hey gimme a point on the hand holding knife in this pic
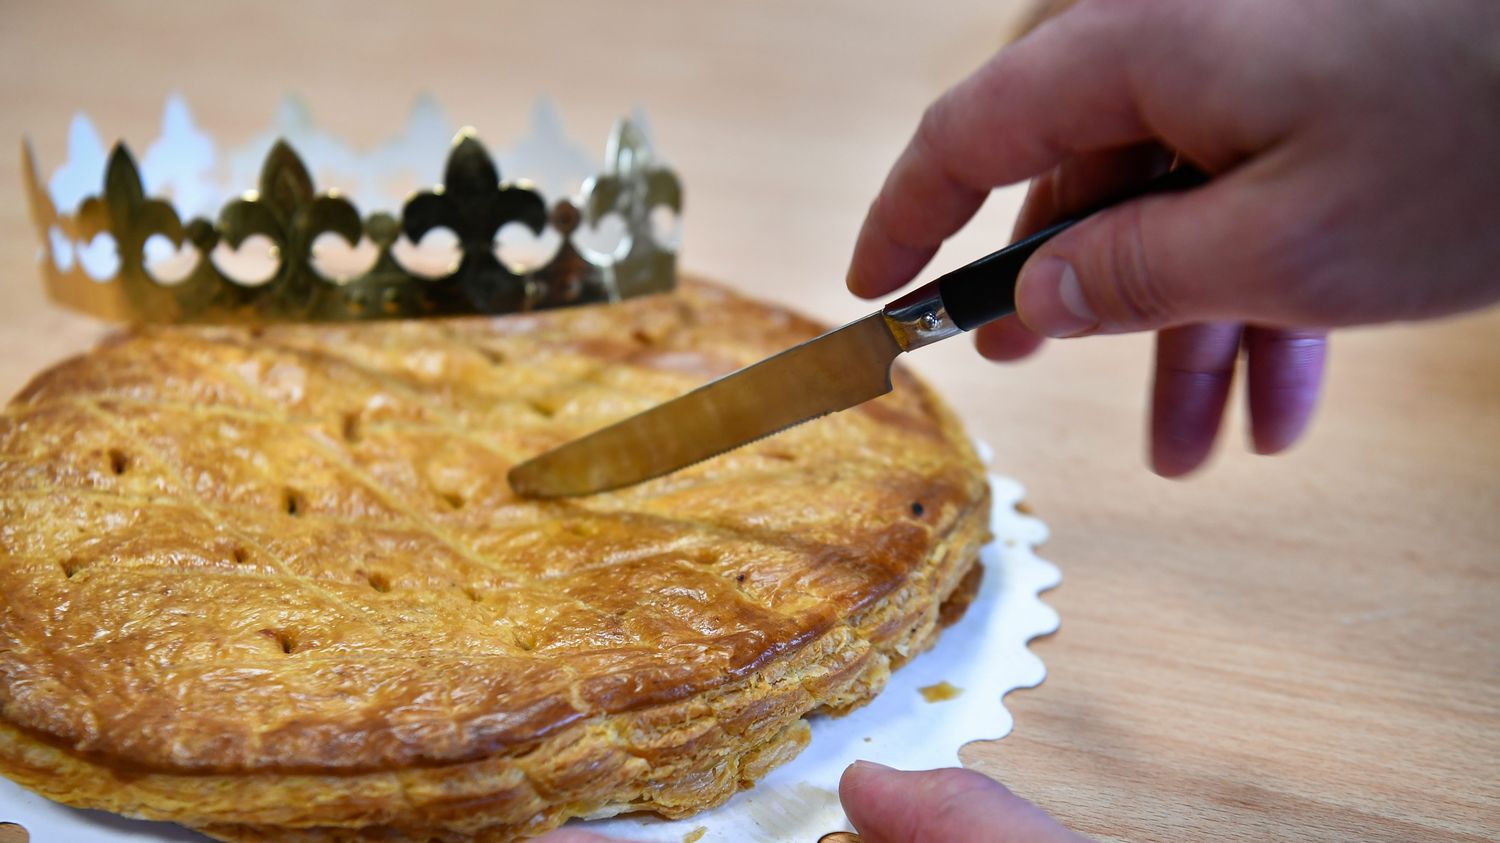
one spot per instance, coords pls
(840, 369)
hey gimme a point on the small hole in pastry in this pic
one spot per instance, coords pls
(472, 594)
(239, 555)
(641, 337)
(525, 641)
(780, 455)
(71, 566)
(740, 577)
(453, 499)
(495, 357)
(351, 427)
(118, 462)
(917, 509)
(542, 409)
(292, 502)
(285, 639)
(380, 582)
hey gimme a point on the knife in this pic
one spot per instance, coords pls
(840, 369)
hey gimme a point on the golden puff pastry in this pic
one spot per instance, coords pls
(271, 583)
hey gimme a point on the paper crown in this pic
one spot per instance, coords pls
(472, 203)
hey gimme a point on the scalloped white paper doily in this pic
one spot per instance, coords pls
(985, 654)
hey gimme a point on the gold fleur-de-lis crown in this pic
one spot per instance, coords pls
(473, 203)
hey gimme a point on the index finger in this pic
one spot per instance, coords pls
(1060, 91)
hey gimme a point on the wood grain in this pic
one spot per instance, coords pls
(1298, 648)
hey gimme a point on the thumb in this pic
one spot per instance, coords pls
(1151, 263)
(941, 806)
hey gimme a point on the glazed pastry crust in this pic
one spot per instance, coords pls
(272, 584)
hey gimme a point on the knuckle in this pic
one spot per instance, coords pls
(934, 146)
(1138, 294)
(1297, 270)
(948, 147)
(932, 129)
(947, 794)
(901, 224)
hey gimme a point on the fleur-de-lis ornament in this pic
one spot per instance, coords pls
(474, 206)
(633, 187)
(287, 210)
(124, 212)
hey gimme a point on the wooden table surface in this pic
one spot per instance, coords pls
(1298, 648)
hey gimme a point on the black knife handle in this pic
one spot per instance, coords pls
(985, 290)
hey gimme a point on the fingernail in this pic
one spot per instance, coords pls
(1052, 302)
(870, 765)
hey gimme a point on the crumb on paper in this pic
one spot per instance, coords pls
(1024, 508)
(941, 692)
(867, 738)
(695, 835)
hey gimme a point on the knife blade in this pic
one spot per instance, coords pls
(840, 369)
